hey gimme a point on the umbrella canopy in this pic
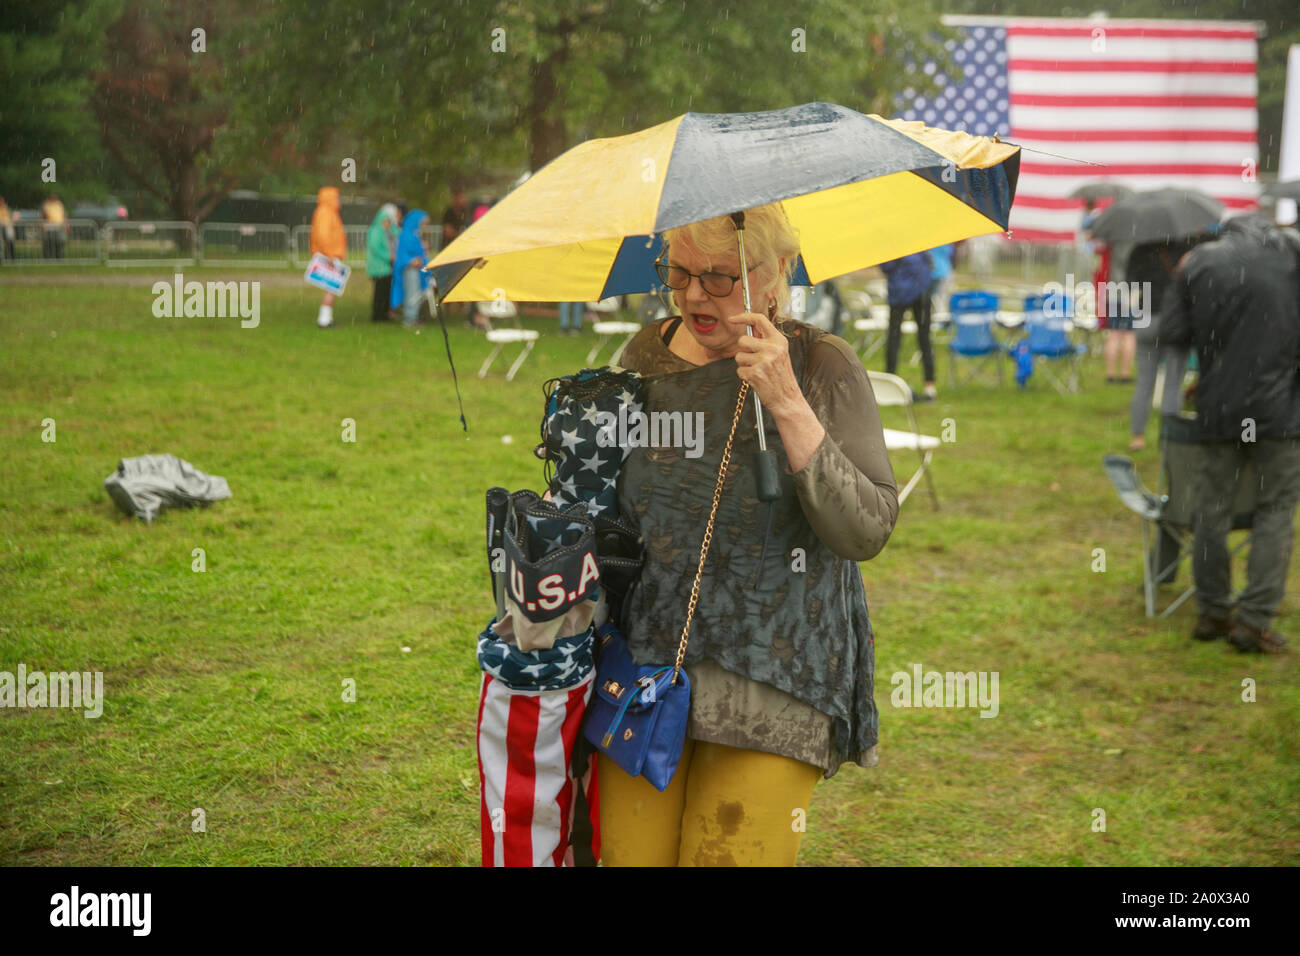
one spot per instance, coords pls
(1286, 190)
(858, 189)
(1101, 189)
(1160, 215)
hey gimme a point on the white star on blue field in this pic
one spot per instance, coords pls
(976, 100)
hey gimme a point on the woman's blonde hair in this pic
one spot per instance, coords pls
(769, 237)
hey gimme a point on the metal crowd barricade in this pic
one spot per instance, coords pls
(244, 244)
(75, 244)
(138, 243)
(300, 244)
(356, 236)
(178, 243)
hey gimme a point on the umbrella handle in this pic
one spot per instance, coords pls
(766, 475)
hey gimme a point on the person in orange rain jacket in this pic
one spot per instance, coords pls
(327, 238)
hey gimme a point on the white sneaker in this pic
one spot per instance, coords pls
(931, 392)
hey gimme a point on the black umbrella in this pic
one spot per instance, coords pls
(1101, 189)
(1160, 215)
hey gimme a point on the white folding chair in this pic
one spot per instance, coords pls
(890, 390)
(606, 331)
(500, 338)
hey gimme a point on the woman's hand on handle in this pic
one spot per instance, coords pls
(763, 360)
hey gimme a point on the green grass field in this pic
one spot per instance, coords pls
(363, 560)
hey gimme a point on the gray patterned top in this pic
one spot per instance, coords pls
(781, 657)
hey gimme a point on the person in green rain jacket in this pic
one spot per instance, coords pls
(381, 246)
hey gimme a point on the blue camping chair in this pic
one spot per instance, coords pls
(973, 315)
(1047, 322)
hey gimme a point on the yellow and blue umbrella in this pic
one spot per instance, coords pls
(859, 190)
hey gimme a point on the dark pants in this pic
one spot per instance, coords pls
(1277, 478)
(921, 315)
(51, 244)
(379, 304)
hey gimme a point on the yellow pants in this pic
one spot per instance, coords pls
(724, 807)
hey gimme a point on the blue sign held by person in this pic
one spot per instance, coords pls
(328, 274)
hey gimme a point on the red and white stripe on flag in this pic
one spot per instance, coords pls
(1160, 102)
(525, 752)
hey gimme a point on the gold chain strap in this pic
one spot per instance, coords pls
(708, 532)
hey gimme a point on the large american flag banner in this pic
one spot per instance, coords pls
(1160, 102)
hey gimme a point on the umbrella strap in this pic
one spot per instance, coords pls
(447, 342)
(708, 532)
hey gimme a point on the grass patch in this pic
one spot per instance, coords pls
(224, 688)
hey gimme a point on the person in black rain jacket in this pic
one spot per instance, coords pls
(1237, 301)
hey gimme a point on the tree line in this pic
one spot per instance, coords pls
(178, 102)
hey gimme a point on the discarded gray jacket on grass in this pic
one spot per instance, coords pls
(143, 486)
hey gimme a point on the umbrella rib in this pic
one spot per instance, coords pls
(1043, 152)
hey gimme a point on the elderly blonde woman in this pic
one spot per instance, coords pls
(781, 652)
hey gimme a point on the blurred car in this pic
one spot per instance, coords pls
(109, 211)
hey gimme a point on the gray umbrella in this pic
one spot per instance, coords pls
(1160, 215)
(1287, 190)
(1101, 189)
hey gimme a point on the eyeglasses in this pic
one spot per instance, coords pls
(716, 284)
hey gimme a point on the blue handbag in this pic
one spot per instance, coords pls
(638, 715)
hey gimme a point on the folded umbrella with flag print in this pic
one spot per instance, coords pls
(560, 568)
(538, 665)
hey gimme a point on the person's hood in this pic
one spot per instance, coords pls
(414, 219)
(328, 197)
(408, 244)
(1249, 235)
(1248, 225)
(386, 212)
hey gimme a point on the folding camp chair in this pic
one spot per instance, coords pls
(1087, 325)
(892, 390)
(500, 338)
(1168, 518)
(1048, 325)
(973, 317)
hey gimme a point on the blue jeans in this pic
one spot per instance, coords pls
(1148, 359)
(571, 311)
(411, 294)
